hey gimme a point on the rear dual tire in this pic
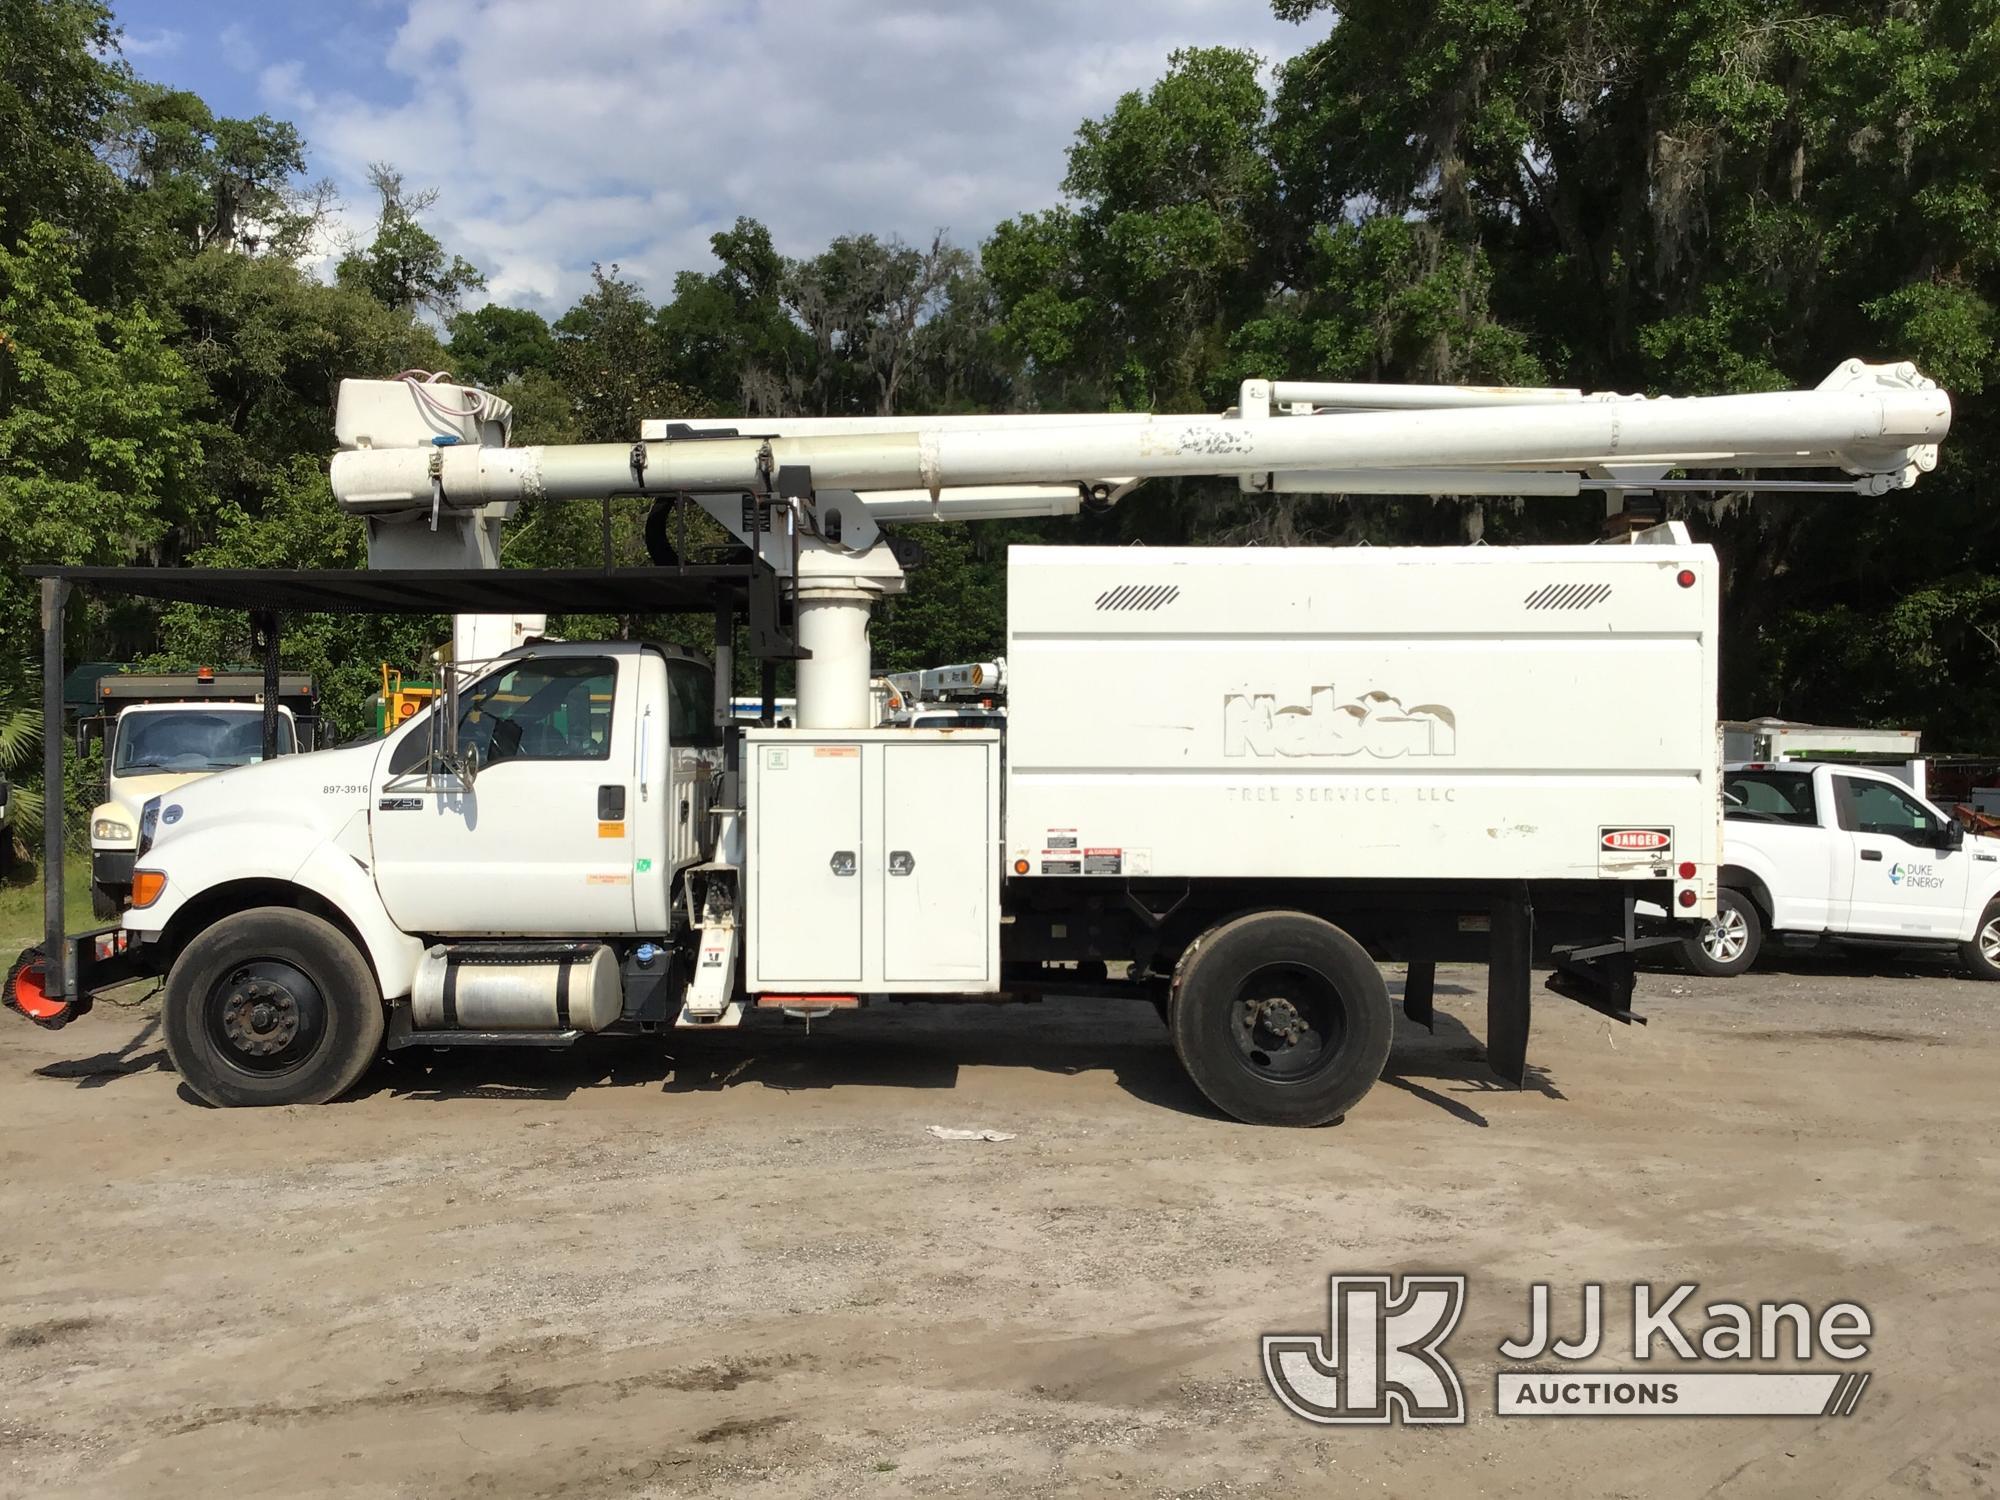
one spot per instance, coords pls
(1280, 1019)
(271, 1006)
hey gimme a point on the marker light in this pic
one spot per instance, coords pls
(1688, 898)
(1020, 867)
(1685, 578)
(1687, 869)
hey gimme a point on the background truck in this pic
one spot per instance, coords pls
(164, 729)
(1846, 856)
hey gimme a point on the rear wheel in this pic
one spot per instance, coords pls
(1981, 956)
(271, 1006)
(1728, 943)
(1281, 1019)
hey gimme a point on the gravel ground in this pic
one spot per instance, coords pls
(510, 1274)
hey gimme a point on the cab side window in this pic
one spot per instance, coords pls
(549, 708)
(1876, 807)
(690, 704)
(1770, 797)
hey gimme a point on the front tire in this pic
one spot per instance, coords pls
(1281, 1019)
(1729, 944)
(271, 1006)
(1981, 956)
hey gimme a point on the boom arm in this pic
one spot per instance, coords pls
(420, 453)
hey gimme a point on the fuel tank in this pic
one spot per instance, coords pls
(526, 986)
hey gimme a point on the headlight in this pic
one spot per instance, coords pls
(149, 824)
(110, 831)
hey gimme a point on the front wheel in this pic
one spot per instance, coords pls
(271, 1006)
(1981, 956)
(1728, 943)
(1281, 1019)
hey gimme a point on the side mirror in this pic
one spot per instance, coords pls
(468, 766)
(1952, 835)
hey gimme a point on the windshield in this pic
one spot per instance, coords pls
(197, 739)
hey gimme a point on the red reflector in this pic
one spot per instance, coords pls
(204, 674)
(1688, 898)
(1687, 869)
(837, 1002)
(1685, 578)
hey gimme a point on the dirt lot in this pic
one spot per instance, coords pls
(509, 1274)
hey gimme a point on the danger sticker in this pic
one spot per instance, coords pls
(835, 752)
(1103, 861)
(1636, 840)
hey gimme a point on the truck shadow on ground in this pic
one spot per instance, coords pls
(95, 1071)
(918, 1047)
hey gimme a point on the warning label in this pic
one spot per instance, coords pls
(1062, 838)
(1103, 861)
(1061, 862)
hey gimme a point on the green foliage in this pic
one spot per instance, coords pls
(1667, 195)
(405, 267)
(98, 449)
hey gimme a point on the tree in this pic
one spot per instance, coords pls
(405, 267)
(496, 344)
(727, 336)
(98, 452)
(57, 83)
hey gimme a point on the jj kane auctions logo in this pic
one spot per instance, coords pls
(1382, 1358)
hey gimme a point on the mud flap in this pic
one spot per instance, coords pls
(1419, 985)
(1508, 971)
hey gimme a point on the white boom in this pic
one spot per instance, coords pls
(426, 462)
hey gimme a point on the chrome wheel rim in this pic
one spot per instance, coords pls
(1989, 942)
(1726, 937)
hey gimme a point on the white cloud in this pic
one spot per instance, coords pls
(161, 43)
(631, 130)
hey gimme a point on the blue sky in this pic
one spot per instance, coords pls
(559, 134)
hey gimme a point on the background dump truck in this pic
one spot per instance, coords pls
(162, 730)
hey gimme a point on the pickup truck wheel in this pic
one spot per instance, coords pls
(1729, 944)
(1281, 1019)
(271, 1006)
(1981, 956)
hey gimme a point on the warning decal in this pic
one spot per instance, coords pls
(1103, 861)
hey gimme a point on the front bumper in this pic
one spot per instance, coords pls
(113, 867)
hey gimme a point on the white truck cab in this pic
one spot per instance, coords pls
(1817, 853)
(156, 748)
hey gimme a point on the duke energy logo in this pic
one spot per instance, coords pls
(1916, 877)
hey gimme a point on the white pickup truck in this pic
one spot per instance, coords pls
(1841, 855)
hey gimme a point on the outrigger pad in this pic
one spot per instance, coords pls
(26, 994)
(1508, 963)
(1419, 986)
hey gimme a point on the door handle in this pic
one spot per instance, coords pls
(843, 862)
(611, 804)
(1874, 854)
(901, 862)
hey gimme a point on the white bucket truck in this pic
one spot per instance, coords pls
(1234, 781)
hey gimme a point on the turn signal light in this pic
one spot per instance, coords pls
(146, 887)
(1688, 898)
(1687, 869)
